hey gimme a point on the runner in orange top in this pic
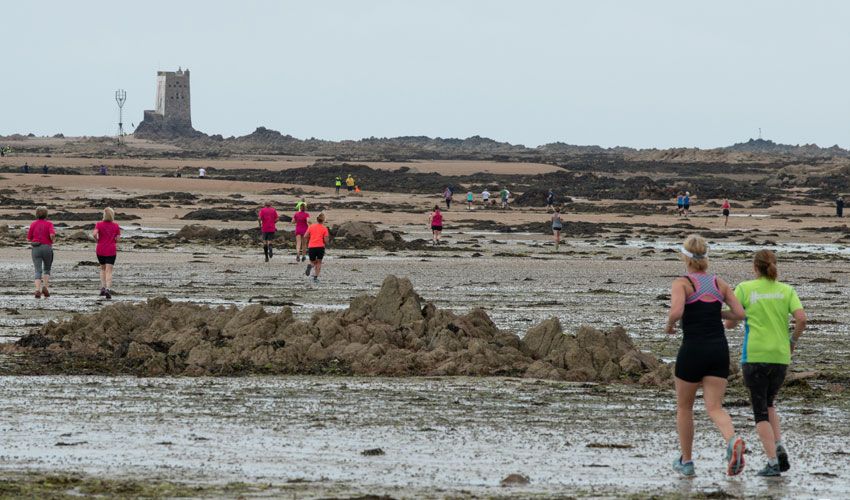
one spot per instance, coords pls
(317, 237)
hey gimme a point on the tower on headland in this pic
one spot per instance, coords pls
(173, 113)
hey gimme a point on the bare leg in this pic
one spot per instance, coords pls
(38, 285)
(317, 267)
(685, 394)
(107, 279)
(298, 239)
(713, 391)
(768, 439)
(103, 275)
(45, 281)
(774, 422)
(438, 234)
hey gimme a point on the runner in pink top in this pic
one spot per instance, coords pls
(106, 233)
(40, 235)
(726, 206)
(436, 223)
(300, 219)
(267, 218)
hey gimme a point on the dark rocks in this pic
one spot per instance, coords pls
(395, 333)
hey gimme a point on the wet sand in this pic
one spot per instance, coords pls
(441, 437)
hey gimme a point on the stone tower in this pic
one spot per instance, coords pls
(173, 113)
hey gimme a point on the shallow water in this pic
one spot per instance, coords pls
(453, 434)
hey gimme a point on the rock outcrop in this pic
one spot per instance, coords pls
(394, 333)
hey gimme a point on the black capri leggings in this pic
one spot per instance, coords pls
(763, 380)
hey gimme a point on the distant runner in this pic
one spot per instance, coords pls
(301, 218)
(686, 203)
(839, 207)
(697, 300)
(680, 204)
(435, 220)
(202, 173)
(557, 225)
(469, 199)
(504, 194)
(317, 236)
(41, 235)
(485, 197)
(349, 183)
(447, 194)
(106, 234)
(103, 171)
(767, 350)
(726, 206)
(267, 218)
(550, 200)
(337, 184)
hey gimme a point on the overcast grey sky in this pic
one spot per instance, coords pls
(631, 73)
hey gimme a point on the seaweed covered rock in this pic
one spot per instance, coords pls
(395, 333)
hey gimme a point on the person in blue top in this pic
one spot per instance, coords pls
(680, 202)
(686, 203)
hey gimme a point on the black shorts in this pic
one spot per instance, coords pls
(679, 207)
(702, 359)
(106, 259)
(726, 212)
(436, 228)
(687, 207)
(268, 236)
(350, 188)
(317, 253)
(763, 380)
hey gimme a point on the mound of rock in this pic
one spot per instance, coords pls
(392, 334)
(227, 214)
(199, 233)
(362, 235)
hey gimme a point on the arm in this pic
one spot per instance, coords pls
(95, 234)
(326, 238)
(799, 326)
(29, 233)
(677, 306)
(736, 312)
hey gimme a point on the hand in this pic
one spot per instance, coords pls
(670, 329)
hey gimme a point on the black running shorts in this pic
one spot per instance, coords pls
(317, 253)
(702, 359)
(268, 236)
(436, 228)
(106, 259)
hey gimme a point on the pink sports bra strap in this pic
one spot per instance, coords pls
(705, 288)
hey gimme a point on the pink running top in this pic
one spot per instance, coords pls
(726, 204)
(437, 218)
(705, 288)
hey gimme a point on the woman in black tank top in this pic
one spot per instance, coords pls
(697, 300)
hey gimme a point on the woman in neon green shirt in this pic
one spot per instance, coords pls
(766, 351)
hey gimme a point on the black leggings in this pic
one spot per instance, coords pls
(763, 380)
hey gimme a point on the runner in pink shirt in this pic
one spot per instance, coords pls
(106, 233)
(435, 220)
(40, 235)
(300, 219)
(267, 218)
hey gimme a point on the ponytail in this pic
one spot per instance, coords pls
(765, 263)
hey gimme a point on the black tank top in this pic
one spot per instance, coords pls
(701, 320)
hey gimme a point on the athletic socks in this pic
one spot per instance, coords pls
(773, 462)
(779, 443)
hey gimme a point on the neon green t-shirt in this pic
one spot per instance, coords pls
(766, 336)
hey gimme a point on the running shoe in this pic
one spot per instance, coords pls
(315, 280)
(102, 291)
(685, 469)
(735, 456)
(267, 258)
(309, 268)
(107, 294)
(303, 258)
(38, 294)
(45, 292)
(770, 471)
(782, 456)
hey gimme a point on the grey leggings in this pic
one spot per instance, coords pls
(42, 256)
